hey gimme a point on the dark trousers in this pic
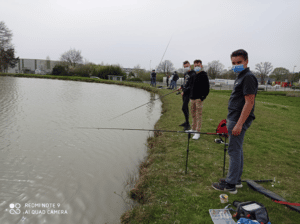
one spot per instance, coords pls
(185, 107)
(235, 152)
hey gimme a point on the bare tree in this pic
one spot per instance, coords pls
(215, 68)
(72, 57)
(228, 74)
(138, 71)
(263, 69)
(7, 51)
(5, 37)
(165, 66)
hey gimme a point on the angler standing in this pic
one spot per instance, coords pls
(175, 78)
(168, 79)
(186, 93)
(199, 89)
(171, 84)
(153, 78)
(240, 116)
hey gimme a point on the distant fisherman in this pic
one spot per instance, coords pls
(240, 116)
(153, 78)
(174, 80)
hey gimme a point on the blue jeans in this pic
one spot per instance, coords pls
(153, 81)
(235, 152)
(173, 85)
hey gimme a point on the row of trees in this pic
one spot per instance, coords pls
(72, 63)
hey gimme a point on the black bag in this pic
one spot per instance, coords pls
(252, 210)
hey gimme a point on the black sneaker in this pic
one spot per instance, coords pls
(187, 127)
(238, 184)
(224, 186)
(183, 124)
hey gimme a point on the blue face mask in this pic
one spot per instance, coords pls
(197, 69)
(237, 68)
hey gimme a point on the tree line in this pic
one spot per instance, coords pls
(72, 64)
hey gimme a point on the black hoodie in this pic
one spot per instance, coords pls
(199, 86)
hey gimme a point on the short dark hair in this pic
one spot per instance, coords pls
(240, 52)
(198, 61)
(185, 62)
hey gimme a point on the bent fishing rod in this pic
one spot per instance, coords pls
(166, 49)
(143, 105)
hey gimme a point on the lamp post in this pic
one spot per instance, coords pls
(150, 65)
(293, 75)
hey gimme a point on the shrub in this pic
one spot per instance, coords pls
(103, 71)
(59, 70)
(131, 74)
(82, 70)
(145, 76)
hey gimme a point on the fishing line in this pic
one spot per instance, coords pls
(143, 105)
(155, 99)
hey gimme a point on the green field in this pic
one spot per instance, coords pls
(271, 150)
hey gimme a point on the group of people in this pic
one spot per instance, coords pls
(240, 111)
(194, 89)
(173, 78)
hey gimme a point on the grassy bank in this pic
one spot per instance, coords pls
(271, 149)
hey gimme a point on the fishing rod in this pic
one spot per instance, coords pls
(154, 130)
(224, 134)
(143, 105)
(166, 49)
(155, 99)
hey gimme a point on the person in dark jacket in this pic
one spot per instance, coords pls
(188, 72)
(153, 78)
(199, 89)
(168, 78)
(175, 78)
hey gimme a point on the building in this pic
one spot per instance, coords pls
(33, 66)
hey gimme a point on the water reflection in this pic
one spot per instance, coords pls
(44, 159)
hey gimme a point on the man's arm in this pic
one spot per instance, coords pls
(249, 103)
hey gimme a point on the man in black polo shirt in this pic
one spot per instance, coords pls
(240, 116)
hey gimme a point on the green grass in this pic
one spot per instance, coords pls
(271, 149)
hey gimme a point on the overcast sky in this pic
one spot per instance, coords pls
(132, 32)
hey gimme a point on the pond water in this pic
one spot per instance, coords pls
(51, 171)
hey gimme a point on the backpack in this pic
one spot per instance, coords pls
(252, 210)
